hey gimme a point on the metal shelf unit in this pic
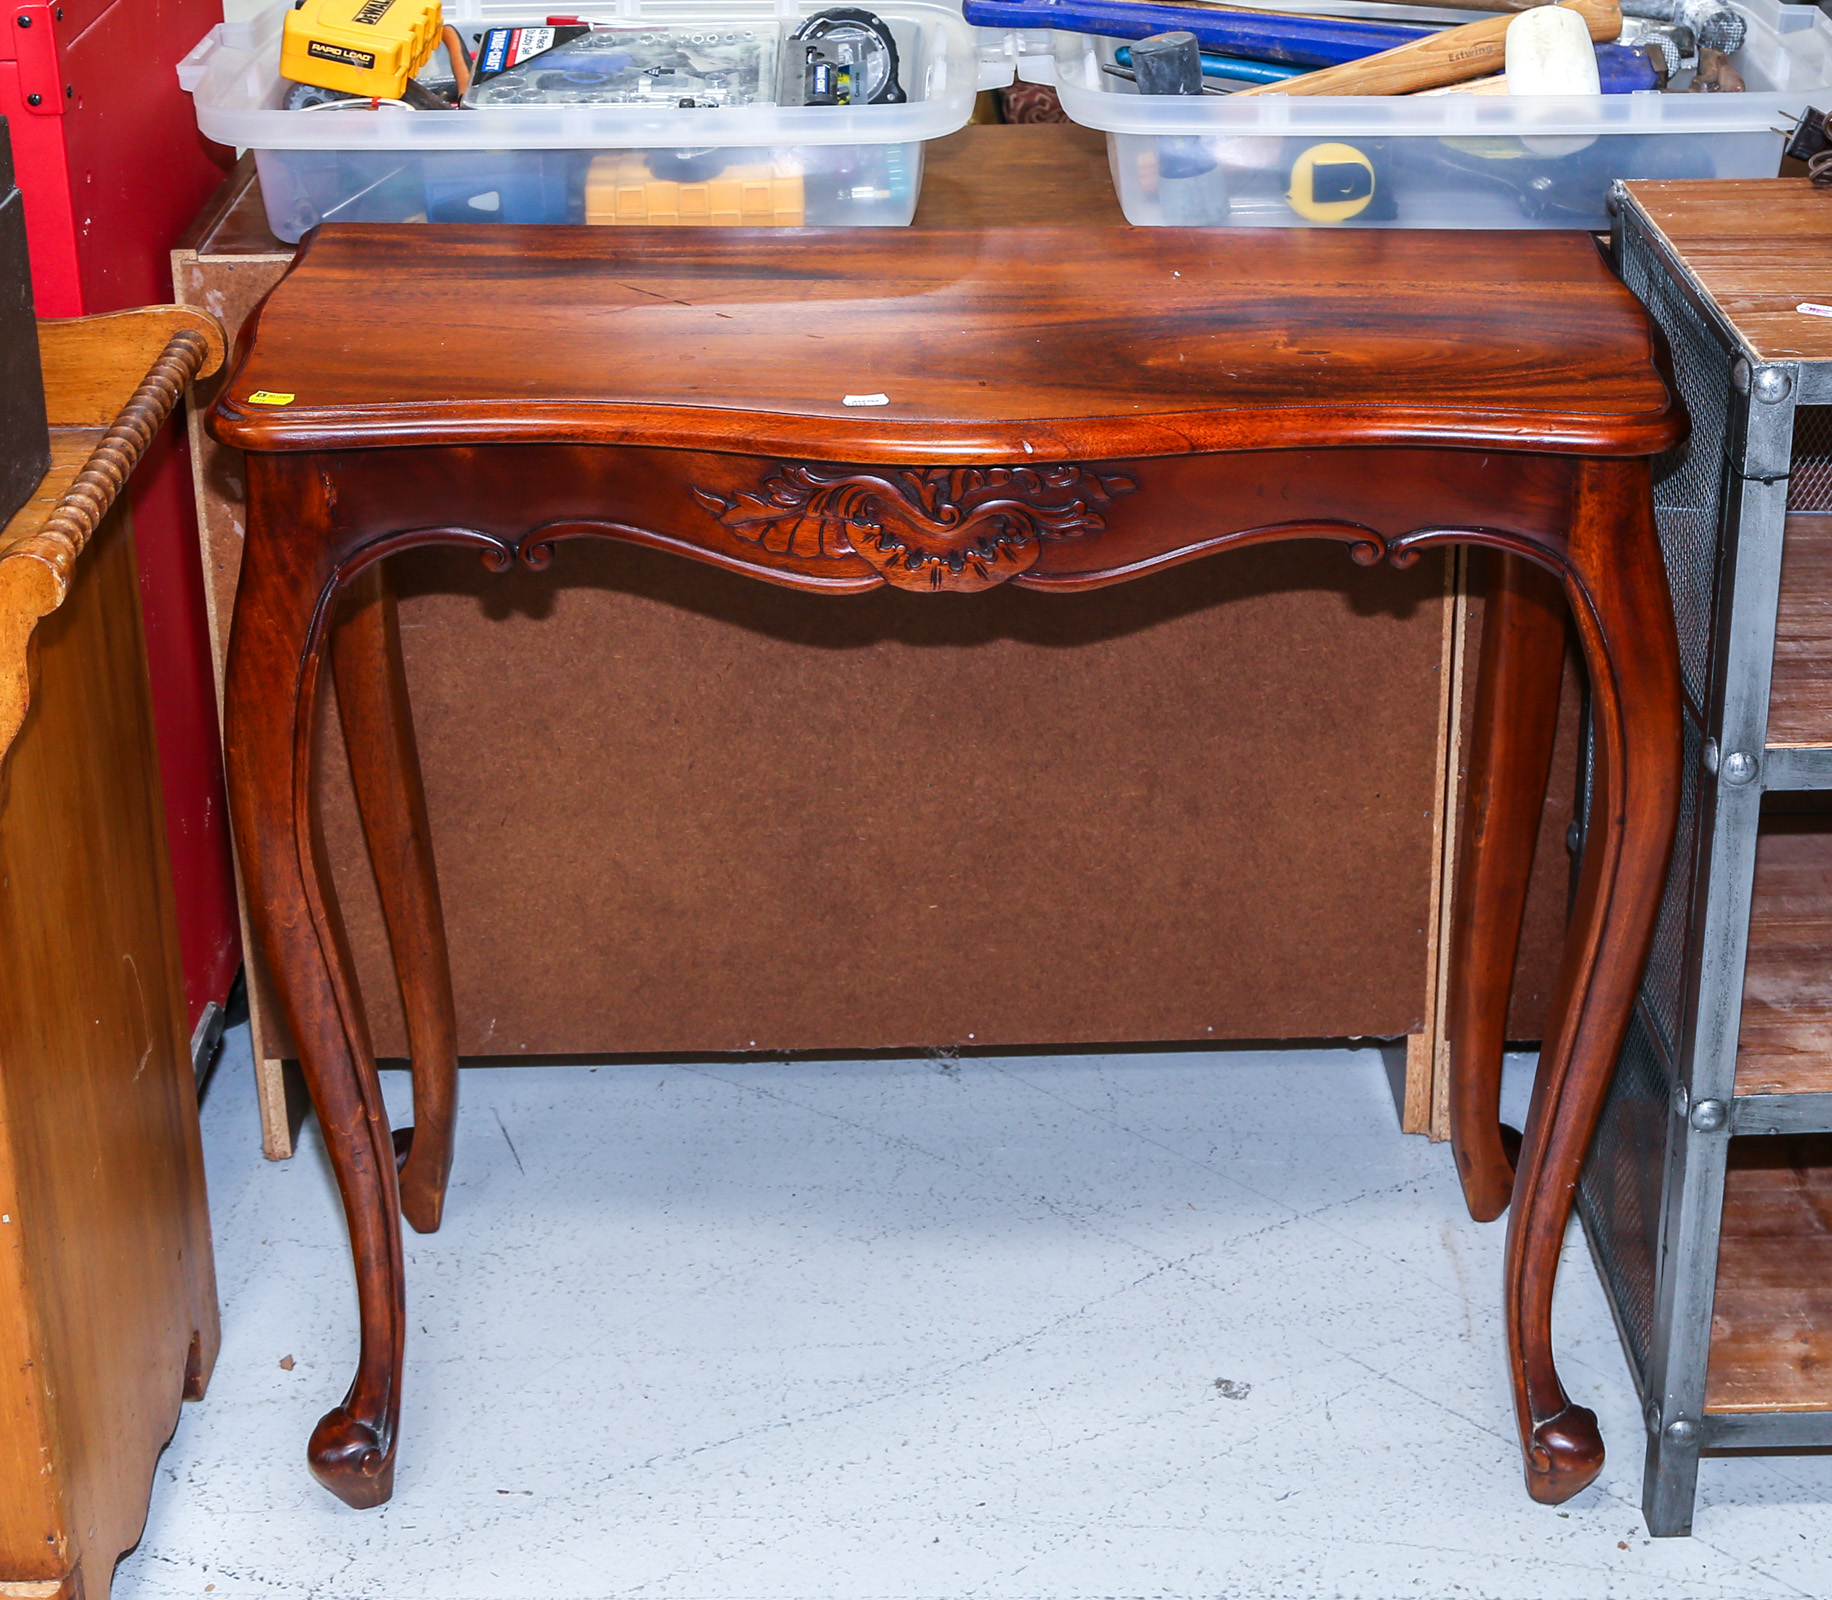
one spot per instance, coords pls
(1652, 1198)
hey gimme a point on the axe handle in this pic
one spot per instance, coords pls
(1472, 51)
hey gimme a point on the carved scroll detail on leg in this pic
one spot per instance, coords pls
(1517, 689)
(378, 733)
(955, 528)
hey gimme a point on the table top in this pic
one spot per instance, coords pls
(955, 346)
(1760, 247)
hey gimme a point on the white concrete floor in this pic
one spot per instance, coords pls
(1022, 1329)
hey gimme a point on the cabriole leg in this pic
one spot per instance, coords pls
(275, 655)
(1510, 762)
(378, 734)
(1617, 590)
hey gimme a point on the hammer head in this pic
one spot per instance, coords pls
(1717, 26)
(1673, 42)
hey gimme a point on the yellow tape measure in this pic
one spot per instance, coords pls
(1332, 183)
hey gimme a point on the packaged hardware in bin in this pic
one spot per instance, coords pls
(625, 186)
(811, 114)
(688, 68)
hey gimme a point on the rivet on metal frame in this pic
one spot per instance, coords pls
(1739, 767)
(1773, 385)
(1709, 1115)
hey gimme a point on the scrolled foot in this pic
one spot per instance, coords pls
(347, 1457)
(1565, 1456)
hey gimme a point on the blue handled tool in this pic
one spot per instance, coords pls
(1624, 69)
(1257, 35)
(1242, 71)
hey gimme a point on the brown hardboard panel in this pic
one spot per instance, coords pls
(229, 289)
(676, 810)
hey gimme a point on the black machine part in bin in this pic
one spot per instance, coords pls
(1192, 190)
(25, 442)
(841, 57)
(1812, 143)
(1549, 189)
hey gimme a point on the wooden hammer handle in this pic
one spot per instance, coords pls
(1472, 51)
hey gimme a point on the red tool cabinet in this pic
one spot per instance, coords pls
(111, 169)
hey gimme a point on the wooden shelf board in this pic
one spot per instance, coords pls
(1800, 698)
(1786, 1042)
(1758, 247)
(1771, 1325)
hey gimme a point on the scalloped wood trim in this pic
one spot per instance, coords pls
(123, 372)
(92, 365)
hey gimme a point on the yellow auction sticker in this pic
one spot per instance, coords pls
(267, 397)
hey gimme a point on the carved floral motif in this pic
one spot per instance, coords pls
(955, 528)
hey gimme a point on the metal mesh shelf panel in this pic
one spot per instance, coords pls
(1690, 480)
(1619, 1194)
(1663, 983)
(1810, 484)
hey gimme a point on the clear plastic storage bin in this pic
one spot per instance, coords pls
(1441, 161)
(760, 164)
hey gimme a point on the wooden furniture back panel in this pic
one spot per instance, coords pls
(1114, 816)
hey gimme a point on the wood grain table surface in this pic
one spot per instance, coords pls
(955, 345)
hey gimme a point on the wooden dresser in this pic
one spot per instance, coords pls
(107, 1291)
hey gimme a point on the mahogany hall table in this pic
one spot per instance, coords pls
(943, 412)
